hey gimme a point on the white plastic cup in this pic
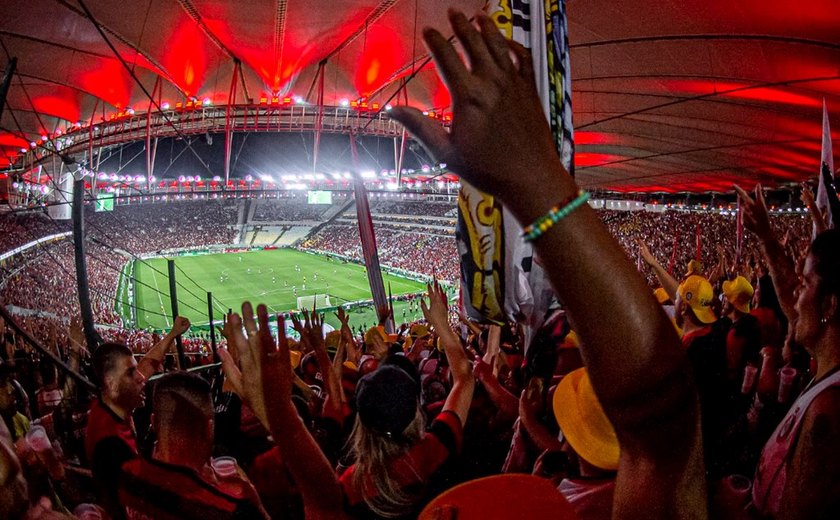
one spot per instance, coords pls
(224, 467)
(37, 439)
(786, 378)
(39, 442)
(750, 376)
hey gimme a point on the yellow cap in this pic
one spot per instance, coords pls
(418, 330)
(583, 422)
(739, 292)
(697, 292)
(332, 339)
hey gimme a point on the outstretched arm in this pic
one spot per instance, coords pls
(807, 197)
(437, 314)
(154, 357)
(640, 374)
(668, 282)
(780, 265)
(267, 385)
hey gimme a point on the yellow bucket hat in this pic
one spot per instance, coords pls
(583, 422)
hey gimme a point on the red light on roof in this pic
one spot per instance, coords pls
(354, 104)
(275, 100)
(287, 100)
(179, 105)
(374, 106)
(263, 100)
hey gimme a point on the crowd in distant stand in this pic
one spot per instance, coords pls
(288, 211)
(422, 253)
(44, 277)
(410, 207)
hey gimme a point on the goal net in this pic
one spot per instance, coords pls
(322, 301)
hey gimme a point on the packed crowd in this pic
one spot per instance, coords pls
(288, 211)
(715, 396)
(408, 207)
(149, 228)
(423, 253)
(22, 228)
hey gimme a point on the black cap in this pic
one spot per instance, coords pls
(386, 400)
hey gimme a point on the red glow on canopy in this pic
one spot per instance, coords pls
(186, 57)
(8, 140)
(61, 107)
(584, 138)
(594, 159)
(109, 81)
(747, 91)
(382, 56)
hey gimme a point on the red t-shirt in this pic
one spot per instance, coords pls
(420, 462)
(151, 489)
(109, 443)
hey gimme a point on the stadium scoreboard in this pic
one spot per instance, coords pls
(319, 197)
(105, 202)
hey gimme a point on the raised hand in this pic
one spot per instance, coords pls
(77, 336)
(755, 215)
(494, 92)
(806, 195)
(647, 256)
(342, 317)
(437, 312)
(313, 328)
(180, 326)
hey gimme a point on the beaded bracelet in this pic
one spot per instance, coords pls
(554, 215)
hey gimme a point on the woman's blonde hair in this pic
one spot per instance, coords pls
(374, 453)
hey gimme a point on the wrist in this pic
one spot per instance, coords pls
(535, 201)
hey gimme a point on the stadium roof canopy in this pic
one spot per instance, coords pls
(669, 95)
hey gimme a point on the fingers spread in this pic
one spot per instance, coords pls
(496, 43)
(248, 319)
(524, 61)
(429, 132)
(452, 70)
(266, 341)
(743, 194)
(471, 40)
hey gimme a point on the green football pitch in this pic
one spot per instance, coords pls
(270, 277)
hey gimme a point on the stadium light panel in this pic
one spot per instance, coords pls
(368, 174)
